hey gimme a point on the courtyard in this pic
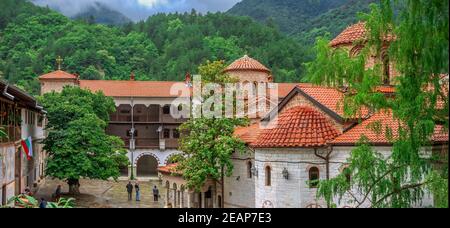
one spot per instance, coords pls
(106, 194)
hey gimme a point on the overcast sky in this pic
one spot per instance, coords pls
(140, 9)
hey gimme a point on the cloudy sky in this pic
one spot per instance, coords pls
(140, 9)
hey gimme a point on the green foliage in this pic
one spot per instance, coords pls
(303, 19)
(421, 36)
(25, 201)
(164, 47)
(376, 177)
(77, 144)
(101, 14)
(208, 143)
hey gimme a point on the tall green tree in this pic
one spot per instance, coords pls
(208, 143)
(417, 34)
(77, 144)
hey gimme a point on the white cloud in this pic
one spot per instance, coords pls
(139, 9)
(152, 3)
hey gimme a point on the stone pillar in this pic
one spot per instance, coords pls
(203, 200)
(135, 172)
(189, 200)
(129, 172)
(174, 192)
(182, 199)
(167, 196)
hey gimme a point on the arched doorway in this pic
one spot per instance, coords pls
(147, 166)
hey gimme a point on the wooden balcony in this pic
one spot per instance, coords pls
(14, 134)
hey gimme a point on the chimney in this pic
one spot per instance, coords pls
(188, 80)
(132, 77)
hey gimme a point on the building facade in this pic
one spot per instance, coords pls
(21, 118)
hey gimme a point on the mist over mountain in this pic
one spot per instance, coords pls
(137, 10)
(102, 14)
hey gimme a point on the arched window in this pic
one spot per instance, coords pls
(249, 169)
(386, 68)
(314, 176)
(355, 50)
(268, 176)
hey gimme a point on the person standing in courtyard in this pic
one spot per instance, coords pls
(155, 194)
(138, 192)
(43, 203)
(130, 191)
(58, 193)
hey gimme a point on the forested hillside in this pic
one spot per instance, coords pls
(102, 14)
(304, 19)
(164, 47)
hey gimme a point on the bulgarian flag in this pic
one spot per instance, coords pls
(27, 146)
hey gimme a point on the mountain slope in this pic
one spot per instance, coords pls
(102, 14)
(303, 19)
(164, 47)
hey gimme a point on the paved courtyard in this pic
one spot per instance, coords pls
(106, 194)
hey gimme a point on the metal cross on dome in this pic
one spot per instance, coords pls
(59, 60)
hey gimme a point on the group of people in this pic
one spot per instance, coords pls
(137, 189)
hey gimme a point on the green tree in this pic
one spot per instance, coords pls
(77, 144)
(418, 38)
(208, 143)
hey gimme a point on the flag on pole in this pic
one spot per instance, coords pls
(27, 146)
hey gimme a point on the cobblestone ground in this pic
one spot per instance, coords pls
(106, 194)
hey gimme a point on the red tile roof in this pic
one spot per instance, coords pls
(384, 120)
(170, 169)
(350, 35)
(300, 126)
(440, 134)
(285, 88)
(331, 98)
(59, 74)
(386, 89)
(131, 88)
(247, 63)
(248, 134)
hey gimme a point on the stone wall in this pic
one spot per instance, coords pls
(294, 192)
(240, 187)
(250, 76)
(57, 86)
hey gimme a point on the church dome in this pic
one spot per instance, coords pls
(59, 74)
(247, 64)
(300, 126)
(350, 35)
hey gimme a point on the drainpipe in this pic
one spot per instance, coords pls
(132, 143)
(327, 162)
(6, 94)
(326, 158)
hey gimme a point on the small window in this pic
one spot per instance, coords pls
(166, 110)
(176, 134)
(166, 134)
(268, 176)
(314, 176)
(249, 170)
